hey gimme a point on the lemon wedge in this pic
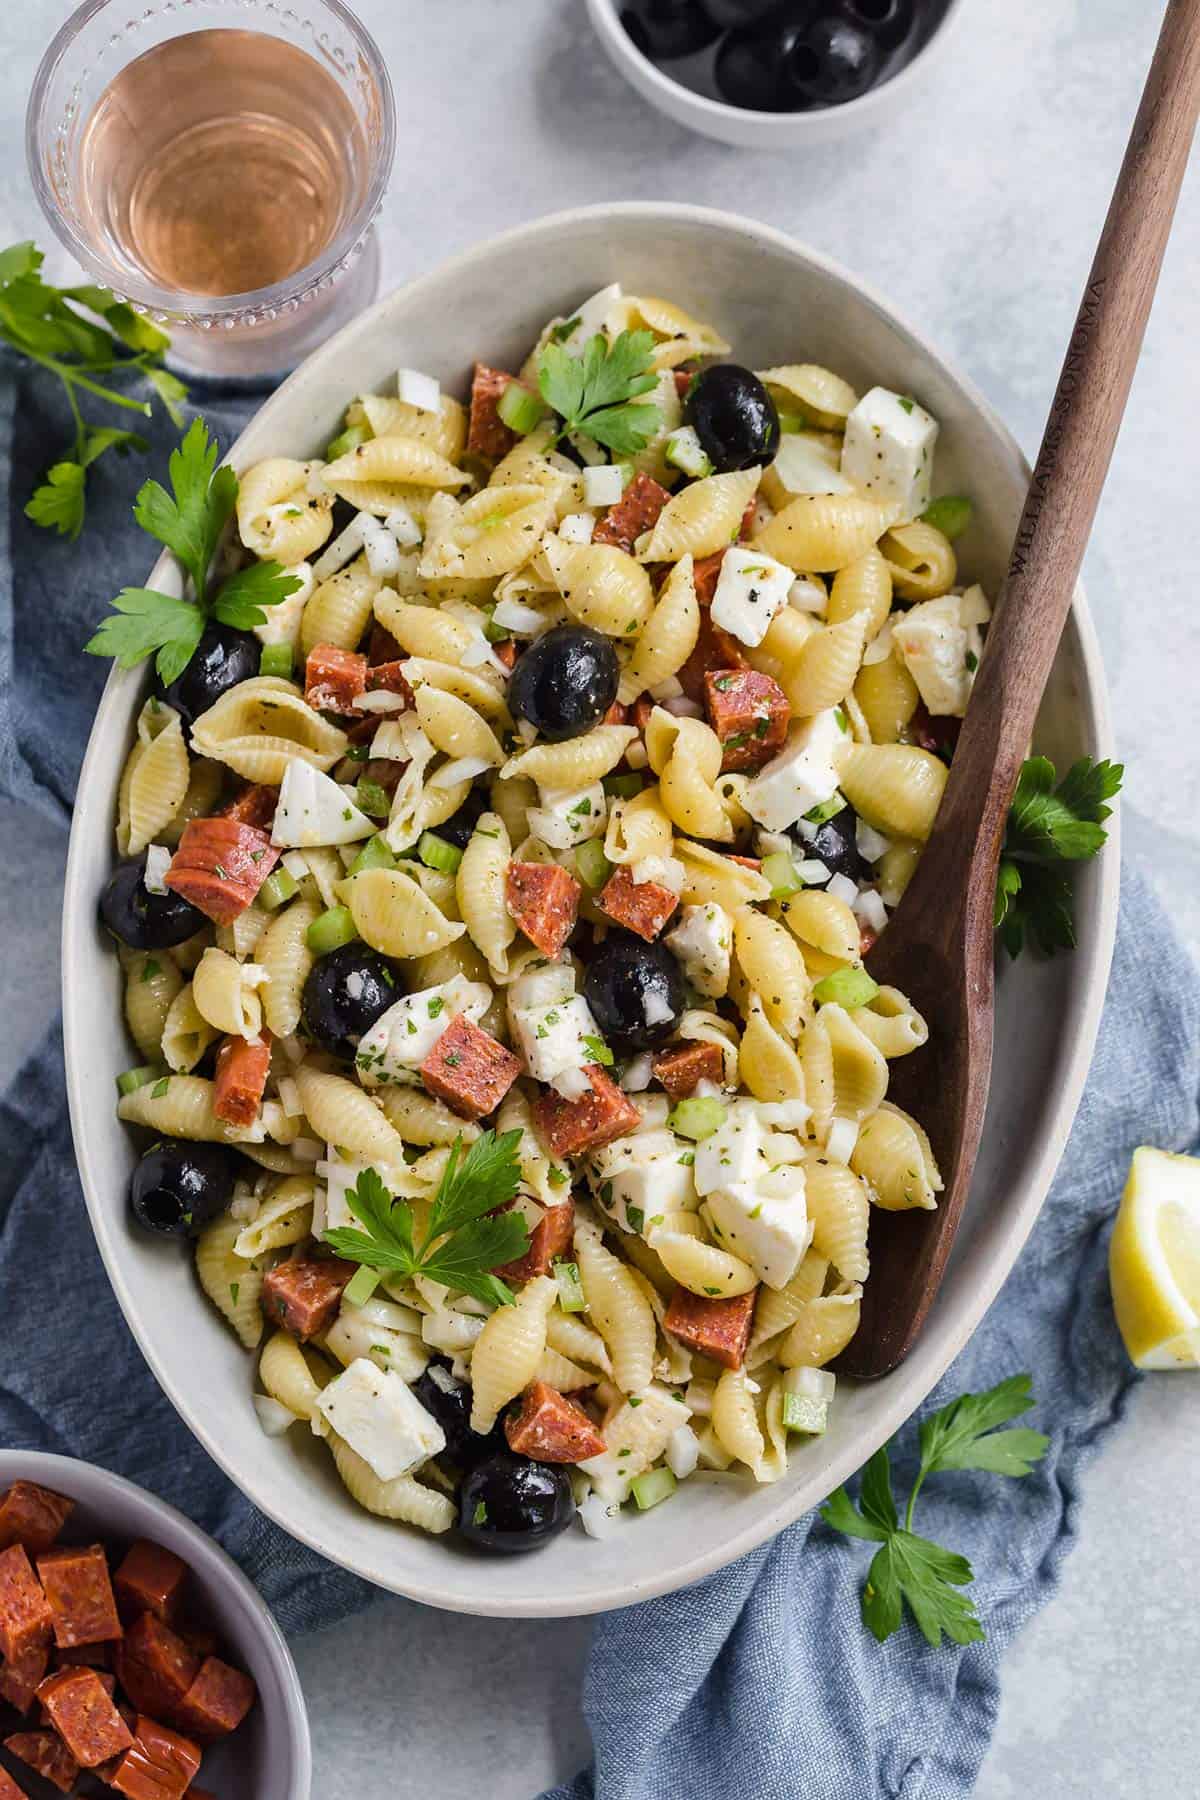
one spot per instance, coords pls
(1154, 1261)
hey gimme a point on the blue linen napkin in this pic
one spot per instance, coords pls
(760, 1680)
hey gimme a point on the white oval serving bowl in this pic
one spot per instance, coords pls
(269, 1758)
(662, 85)
(775, 301)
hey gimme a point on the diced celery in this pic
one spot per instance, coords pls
(624, 786)
(276, 659)
(372, 799)
(278, 888)
(652, 1487)
(848, 987)
(346, 441)
(780, 871)
(436, 853)
(792, 421)
(361, 1286)
(685, 451)
(133, 1079)
(951, 514)
(627, 473)
(802, 1414)
(827, 809)
(520, 410)
(591, 864)
(698, 1117)
(375, 854)
(570, 1287)
(330, 931)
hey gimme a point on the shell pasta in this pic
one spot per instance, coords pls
(495, 949)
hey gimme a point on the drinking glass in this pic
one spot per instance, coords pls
(92, 169)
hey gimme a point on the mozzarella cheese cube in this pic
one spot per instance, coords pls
(750, 590)
(703, 941)
(639, 1180)
(576, 528)
(282, 622)
(940, 653)
(588, 319)
(564, 819)
(602, 486)
(314, 810)
(398, 1042)
(418, 390)
(802, 776)
(542, 985)
(551, 1038)
(764, 1222)
(888, 449)
(379, 1416)
(736, 1152)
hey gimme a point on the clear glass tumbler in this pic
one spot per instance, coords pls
(200, 146)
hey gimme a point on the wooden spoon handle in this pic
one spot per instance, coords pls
(1076, 449)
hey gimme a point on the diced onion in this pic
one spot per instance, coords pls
(274, 1418)
(462, 768)
(656, 1008)
(639, 1074)
(158, 861)
(842, 888)
(289, 1097)
(812, 871)
(599, 1517)
(345, 546)
(514, 615)
(843, 1135)
(683, 1452)
(380, 700)
(870, 911)
(572, 1084)
(296, 864)
(577, 528)
(871, 843)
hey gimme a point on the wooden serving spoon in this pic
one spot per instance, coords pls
(940, 951)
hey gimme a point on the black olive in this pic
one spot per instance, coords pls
(836, 845)
(666, 28)
(178, 1187)
(143, 920)
(222, 658)
(344, 995)
(626, 980)
(449, 1401)
(509, 1503)
(733, 416)
(889, 22)
(831, 62)
(458, 827)
(730, 14)
(565, 682)
(750, 63)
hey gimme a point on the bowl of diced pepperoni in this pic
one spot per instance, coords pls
(135, 1657)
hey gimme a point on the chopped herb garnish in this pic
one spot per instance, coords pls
(1049, 826)
(597, 393)
(598, 1051)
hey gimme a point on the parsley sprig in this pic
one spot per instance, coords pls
(1049, 826)
(596, 394)
(189, 521)
(52, 328)
(913, 1570)
(462, 1244)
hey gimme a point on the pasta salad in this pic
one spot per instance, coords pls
(493, 913)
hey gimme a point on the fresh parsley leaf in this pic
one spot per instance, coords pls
(190, 519)
(242, 598)
(51, 326)
(466, 1239)
(144, 621)
(914, 1571)
(596, 393)
(1049, 826)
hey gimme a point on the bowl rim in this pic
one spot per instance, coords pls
(906, 1386)
(206, 1557)
(668, 91)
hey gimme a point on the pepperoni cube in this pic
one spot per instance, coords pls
(334, 678)
(8, 1787)
(155, 1667)
(32, 1515)
(92, 1656)
(568, 1127)
(749, 713)
(25, 1616)
(552, 1428)
(46, 1753)
(242, 1069)
(217, 1701)
(716, 1328)
(487, 434)
(636, 511)
(150, 1579)
(389, 678)
(79, 1590)
(469, 1070)
(159, 1764)
(684, 1066)
(303, 1296)
(21, 1676)
(255, 805)
(550, 1237)
(544, 900)
(382, 646)
(81, 1710)
(220, 866)
(715, 648)
(641, 906)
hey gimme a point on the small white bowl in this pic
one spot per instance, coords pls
(774, 300)
(269, 1757)
(751, 130)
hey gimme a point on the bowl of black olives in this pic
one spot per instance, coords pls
(773, 74)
